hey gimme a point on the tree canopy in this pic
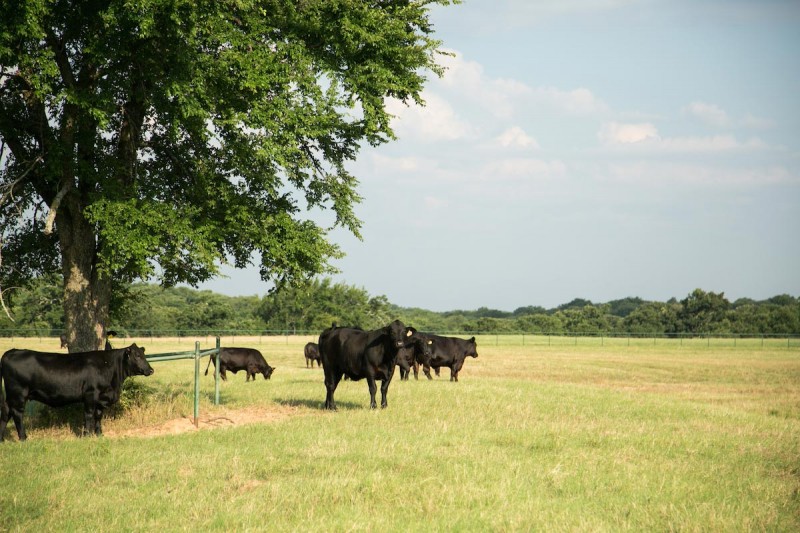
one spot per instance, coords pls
(157, 139)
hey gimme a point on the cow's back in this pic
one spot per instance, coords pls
(56, 378)
(344, 348)
(240, 355)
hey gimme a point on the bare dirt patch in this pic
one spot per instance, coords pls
(219, 418)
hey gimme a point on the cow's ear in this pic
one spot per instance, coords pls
(430, 342)
(472, 339)
(410, 331)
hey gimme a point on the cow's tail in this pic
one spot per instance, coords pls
(210, 358)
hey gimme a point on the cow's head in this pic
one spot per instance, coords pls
(397, 333)
(268, 372)
(138, 365)
(423, 345)
(472, 348)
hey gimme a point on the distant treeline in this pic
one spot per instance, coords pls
(150, 309)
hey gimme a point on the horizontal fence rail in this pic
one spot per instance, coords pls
(790, 340)
(196, 354)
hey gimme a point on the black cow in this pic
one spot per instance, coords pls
(94, 378)
(449, 352)
(311, 352)
(414, 354)
(235, 359)
(360, 354)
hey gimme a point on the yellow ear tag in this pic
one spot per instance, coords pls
(408, 333)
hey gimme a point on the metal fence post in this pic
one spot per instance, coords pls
(197, 383)
(216, 376)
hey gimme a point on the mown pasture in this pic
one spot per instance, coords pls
(590, 435)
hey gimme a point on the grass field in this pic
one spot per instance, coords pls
(585, 435)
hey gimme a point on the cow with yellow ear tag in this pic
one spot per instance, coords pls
(360, 354)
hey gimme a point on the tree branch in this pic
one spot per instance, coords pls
(51, 216)
(8, 189)
(2, 291)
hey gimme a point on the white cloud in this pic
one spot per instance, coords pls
(516, 169)
(644, 137)
(717, 143)
(436, 121)
(614, 133)
(515, 137)
(709, 114)
(757, 123)
(660, 173)
(504, 97)
(579, 101)
(432, 202)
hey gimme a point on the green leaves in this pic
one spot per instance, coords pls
(189, 134)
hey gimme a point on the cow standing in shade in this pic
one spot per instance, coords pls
(449, 352)
(360, 354)
(55, 379)
(234, 359)
(311, 351)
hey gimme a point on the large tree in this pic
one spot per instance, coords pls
(159, 138)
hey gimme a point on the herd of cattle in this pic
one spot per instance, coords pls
(96, 378)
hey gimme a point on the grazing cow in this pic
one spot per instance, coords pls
(235, 359)
(63, 339)
(311, 352)
(418, 352)
(94, 378)
(449, 352)
(360, 354)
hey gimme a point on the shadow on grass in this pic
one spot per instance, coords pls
(317, 403)
(41, 416)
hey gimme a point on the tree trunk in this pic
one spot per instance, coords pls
(87, 295)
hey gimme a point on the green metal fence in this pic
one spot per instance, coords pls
(196, 354)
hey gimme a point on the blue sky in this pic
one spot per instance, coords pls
(592, 149)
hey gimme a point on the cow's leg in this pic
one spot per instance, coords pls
(16, 412)
(98, 421)
(7, 412)
(88, 420)
(331, 382)
(416, 370)
(3, 418)
(373, 389)
(436, 369)
(427, 371)
(90, 406)
(222, 373)
(385, 391)
(455, 369)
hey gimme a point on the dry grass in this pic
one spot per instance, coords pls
(597, 438)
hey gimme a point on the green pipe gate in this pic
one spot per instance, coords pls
(196, 355)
